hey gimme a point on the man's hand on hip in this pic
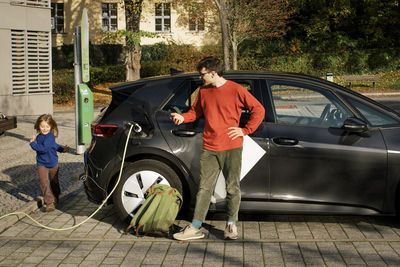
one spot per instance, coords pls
(235, 132)
(177, 118)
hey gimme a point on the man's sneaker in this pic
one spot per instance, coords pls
(189, 233)
(231, 231)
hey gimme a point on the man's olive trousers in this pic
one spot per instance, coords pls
(211, 163)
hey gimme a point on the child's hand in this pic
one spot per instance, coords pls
(32, 138)
(66, 149)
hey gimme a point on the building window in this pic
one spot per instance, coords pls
(163, 17)
(109, 17)
(196, 18)
(35, 3)
(57, 17)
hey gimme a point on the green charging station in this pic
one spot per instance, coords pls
(85, 113)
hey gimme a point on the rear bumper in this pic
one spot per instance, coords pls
(8, 123)
(94, 187)
(99, 176)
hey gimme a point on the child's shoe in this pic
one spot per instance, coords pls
(50, 207)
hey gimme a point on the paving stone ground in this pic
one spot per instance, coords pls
(19, 181)
(265, 239)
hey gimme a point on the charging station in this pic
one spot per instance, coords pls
(85, 113)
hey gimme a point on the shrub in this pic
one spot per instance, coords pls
(355, 62)
(107, 74)
(158, 59)
(64, 81)
(63, 57)
(63, 86)
(321, 62)
(377, 60)
(154, 52)
(99, 55)
(105, 54)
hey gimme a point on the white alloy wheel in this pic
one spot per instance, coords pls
(136, 178)
(134, 188)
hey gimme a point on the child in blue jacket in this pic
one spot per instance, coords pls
(47, 159)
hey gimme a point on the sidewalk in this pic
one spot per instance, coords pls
(265, 240)
(19, 181)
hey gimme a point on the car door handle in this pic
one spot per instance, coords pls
(184, 133)
(285, 141)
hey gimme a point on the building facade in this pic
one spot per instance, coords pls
(158, 17)
(25, 52)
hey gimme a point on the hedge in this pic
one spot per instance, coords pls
(158, 59)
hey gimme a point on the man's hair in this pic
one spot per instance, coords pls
(211, 64)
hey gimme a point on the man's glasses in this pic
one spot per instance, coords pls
(203, 73)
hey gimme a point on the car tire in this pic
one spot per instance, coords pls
(136, 178)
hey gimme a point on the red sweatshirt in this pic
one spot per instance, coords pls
(222, 107)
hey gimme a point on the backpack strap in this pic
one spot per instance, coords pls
(128, 228)
(137, 230)
(178, 196)
(181, 201)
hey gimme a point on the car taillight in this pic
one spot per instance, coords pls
(103, 130)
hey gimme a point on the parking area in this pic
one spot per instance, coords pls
(265, 239)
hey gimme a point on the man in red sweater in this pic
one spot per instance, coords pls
(220, 101)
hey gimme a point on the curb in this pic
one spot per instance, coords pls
(9, 221)
(381, 94)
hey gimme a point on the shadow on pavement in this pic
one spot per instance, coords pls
(24, 180)
(18, 136)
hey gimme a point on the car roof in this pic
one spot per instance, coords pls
(129, 88)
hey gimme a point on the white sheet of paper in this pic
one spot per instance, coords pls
(251, 154)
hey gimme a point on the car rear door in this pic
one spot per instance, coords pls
(185, 140)
(313, 159)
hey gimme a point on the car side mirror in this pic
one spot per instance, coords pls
(356, 125)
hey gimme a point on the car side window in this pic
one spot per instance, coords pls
(302, 105)
(185, 96)
(373, 116)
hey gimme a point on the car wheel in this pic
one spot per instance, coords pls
(136, 178)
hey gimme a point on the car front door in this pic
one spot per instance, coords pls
(313, 160)
(185, 140)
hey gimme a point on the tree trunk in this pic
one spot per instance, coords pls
(234, 51)
(133, 11)
(132, 62)
(223, 17)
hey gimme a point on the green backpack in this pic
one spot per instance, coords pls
(158, 212)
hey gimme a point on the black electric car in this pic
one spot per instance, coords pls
(320, 149)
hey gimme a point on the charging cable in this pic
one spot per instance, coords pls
(101, 205)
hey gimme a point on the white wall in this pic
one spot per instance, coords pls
(16, 17)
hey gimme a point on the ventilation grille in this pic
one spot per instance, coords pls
(37, 3)
(30, 53)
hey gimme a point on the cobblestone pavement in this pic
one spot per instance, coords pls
(19, 181)
(265, 240)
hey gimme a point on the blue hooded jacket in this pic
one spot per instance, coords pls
(46, 150)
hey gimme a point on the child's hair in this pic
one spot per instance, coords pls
(49, 120)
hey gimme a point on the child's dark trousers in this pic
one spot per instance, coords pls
(49, 183)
